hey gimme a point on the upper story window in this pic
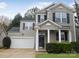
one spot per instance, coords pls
(64, 17)
(28, 26)
(42, 18)
(61, 17)
(45, 17)
(58, 17)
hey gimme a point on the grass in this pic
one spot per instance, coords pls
(57, 56)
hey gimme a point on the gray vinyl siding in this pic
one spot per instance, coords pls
(65, 26)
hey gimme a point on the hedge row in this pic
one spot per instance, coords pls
(75, 46)
(62, 47)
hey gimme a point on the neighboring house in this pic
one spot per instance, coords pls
(23, 37)
(54, 23)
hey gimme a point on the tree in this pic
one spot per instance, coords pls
(16, 21)
(30, 14)
(77, 8)
(5, 26)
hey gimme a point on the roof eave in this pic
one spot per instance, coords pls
(51, 22)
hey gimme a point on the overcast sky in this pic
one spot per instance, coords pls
(10, 8)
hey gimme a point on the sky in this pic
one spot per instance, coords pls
(10, 8)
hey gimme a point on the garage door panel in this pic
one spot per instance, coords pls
(22, 42)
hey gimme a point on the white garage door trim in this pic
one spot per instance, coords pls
(22, 42)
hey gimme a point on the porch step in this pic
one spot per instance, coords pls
(42, 50)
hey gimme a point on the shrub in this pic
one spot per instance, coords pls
(6, 42)
(75, 46)
(53, 48)
(58, 48)
(66, 48)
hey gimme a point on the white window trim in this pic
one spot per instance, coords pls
(61, 16)
(28, 26)
(40, 17)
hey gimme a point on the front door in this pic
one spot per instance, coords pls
(41, 41)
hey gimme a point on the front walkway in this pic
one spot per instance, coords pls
(17, 53)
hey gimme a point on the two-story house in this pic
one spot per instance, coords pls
(53, 24)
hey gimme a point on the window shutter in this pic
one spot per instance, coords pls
(68, 18)
(45, 17)
(33, 25)
(23, 26)
(66, 36)
(57, 36)
(38, 18)
(78, 17)
(54, 17)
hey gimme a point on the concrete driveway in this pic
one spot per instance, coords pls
(17, 53)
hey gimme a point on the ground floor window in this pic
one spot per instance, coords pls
(64, 36)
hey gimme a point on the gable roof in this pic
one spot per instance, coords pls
(51, 22)
(54, 5)
(46, 7)
(68, 7)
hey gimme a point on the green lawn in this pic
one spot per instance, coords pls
(57, 56)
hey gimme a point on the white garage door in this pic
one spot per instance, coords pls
(22, 42)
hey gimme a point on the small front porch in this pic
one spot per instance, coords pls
(51, 36)
(51, 32)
